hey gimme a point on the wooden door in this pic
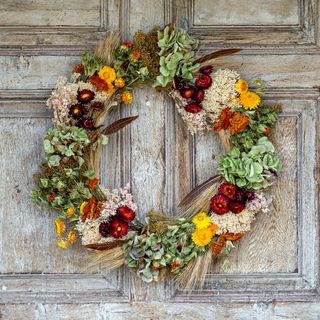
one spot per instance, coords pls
(274, 271)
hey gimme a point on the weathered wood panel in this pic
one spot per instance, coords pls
(277, 261)
(226, 13)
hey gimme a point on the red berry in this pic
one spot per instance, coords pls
(219, 204)
(118, 228)
(236, 206)
(206, 69)
(203, 81)
(193, 108)
(51, 197)
(241, 195)
(228, 189)
(125, 213)
(198, 95)
(187, 92)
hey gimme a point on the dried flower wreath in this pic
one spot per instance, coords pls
(215, 214)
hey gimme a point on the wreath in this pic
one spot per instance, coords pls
(215, 214)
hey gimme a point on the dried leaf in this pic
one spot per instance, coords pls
(198, 190)
(216, 54)
(104, 246)
(118, 125)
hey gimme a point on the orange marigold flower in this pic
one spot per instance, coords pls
(72, 237)
(92, 183)
(135, 55)
(126, 97)
(101, 85)
(119, 83)
(78, 68)
(238, 122)
(224, 120)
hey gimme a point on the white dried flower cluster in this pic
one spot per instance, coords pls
(65, 95)
(89, 231)
(241, 222)
(221, 93)
(195, 122)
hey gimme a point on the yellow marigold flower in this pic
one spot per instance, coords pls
(72, 237)
(83, 205)
(119, 83)
(70, 212)
(126, 97)
(202, 237)
(107, 74)
(242, 86)
(201, 220)
(60, 227)
(62, 243)
(249, 100)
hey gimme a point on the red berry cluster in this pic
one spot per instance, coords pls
(85, 106)
(230, 198)
(117, 226)
(195, 93)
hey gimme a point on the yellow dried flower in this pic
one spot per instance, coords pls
(107, 74)
(70, 212)
(60, 227)
(202, 237)
(249, 100)
(72, 237)
(126, 97)
(201, 220)
(62, 243)
(119, 83)
(242, 86)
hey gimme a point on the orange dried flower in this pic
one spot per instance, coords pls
(101, 85)
(119, 83)
(126, 97)
(224, 120)
(135, 55)
(221, 242)
(90, 209)
(92, 183)
(233, 236)
(238, 122)
(78, 68)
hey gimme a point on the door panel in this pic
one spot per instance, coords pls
(276, 262)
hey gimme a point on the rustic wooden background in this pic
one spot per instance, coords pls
(274, 270)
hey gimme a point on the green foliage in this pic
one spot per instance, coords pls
(261, 119)
(65, 142)
(256, 169)
(148, 253)
(91, 63)
(177, 52)
(62, 183)
(131, 70)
